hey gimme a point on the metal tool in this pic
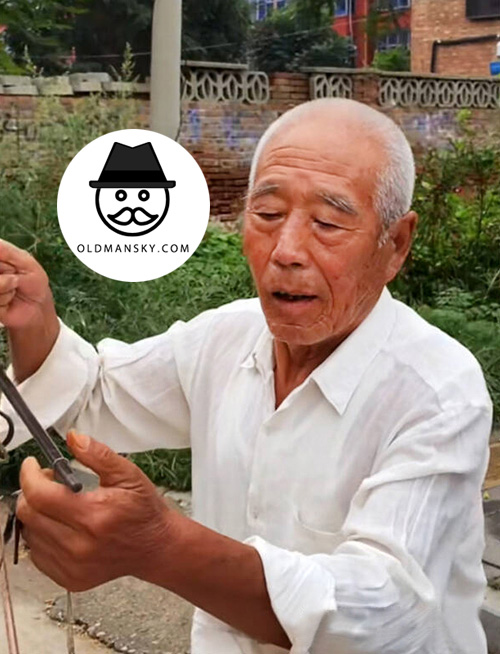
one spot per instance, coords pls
(62, 472)
(62, 469)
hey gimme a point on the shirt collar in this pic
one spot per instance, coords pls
(340, 374)
(262, 355)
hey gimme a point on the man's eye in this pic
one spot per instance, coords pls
(325, 225)
(268, 216)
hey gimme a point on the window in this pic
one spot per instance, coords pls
(400, 39)
(344, 7)
(386, 5)
(265, 7)
(482, 9)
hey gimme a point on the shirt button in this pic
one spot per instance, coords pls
(255, 513)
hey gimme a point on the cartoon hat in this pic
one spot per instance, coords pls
(132, 167)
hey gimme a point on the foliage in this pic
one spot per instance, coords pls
(7, 64)
(215, 30)
(41, 26)
(457, 197)
(298, 35)
(29, 65)
(170, 468)
(126, 73)
(396, 59)
(100, 35)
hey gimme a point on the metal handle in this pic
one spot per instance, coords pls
(55, 459)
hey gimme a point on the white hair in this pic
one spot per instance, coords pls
(396, 179)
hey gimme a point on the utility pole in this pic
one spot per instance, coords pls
(166, 67)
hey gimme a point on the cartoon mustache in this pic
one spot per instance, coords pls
(150, 217)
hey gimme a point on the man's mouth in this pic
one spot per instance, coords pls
(293, 297)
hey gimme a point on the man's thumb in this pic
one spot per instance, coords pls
(112, 468)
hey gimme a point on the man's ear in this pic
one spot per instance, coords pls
(400, 239)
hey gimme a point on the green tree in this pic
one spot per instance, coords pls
(215, 30)
(298, 35)
(100, 36)
(39, 25)
(109, 25)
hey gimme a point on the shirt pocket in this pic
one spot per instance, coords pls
(311, 540)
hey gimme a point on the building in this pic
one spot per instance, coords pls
(261, 8)
(455, 37)
(351, 21)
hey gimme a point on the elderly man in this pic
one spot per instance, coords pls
(339, 441)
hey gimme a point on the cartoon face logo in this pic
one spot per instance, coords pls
(132, 196)
(132, 211)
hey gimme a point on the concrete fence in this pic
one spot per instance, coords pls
(226, 108)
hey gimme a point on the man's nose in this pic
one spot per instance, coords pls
(291, 243)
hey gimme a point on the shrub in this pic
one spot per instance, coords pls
(393, 60)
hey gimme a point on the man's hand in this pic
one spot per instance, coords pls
(125, 528)
(84, 540)
(24, 287)
(26, 310)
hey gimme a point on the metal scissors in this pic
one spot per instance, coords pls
(62, 472)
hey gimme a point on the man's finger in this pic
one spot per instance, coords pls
(7, 268)
(8, 283)
(45, 496)
(6, 299)
(37, 526)
(18, 259)
(112, 468)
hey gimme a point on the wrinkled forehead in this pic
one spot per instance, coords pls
(331, 145)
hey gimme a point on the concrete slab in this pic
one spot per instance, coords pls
(15, 80)
(54, 86)
(80, 78)
(86, 87)
(20, 90)
(118, 87)
(140, 87)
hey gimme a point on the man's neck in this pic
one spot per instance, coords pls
(294, 363)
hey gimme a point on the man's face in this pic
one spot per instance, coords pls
(132, 211)
(311, 233)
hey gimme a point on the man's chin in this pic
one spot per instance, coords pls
(293, 334)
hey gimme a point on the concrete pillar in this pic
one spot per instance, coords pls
(166, 67)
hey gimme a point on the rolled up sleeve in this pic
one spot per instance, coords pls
(380, 590)
(129, 396)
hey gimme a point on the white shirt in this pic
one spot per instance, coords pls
(361, 492)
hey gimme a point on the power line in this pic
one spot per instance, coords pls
(191, 49)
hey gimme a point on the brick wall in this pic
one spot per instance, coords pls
(445, 20)
(223, 136)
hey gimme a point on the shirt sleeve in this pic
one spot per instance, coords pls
(380, 590)
(129, 396)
